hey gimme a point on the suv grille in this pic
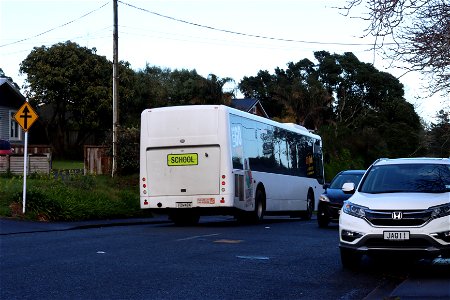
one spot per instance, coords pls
(407, 218)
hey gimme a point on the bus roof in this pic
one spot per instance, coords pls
(287, 126)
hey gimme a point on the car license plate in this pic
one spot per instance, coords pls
(185, 159)
(396, 235)
(184, 204)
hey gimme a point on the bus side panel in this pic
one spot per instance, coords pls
(284, 193)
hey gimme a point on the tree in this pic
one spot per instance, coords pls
(71, 87)
(439, 136)
(356, 108)
(370, 116)
(213, 90)
(420, 30)
(294, 95)
(156, 87)
(260, 87)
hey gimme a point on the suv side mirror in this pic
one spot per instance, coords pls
(348, 188)
(325, 186)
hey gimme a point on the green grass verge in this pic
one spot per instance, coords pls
(67, 164)
(73, 198)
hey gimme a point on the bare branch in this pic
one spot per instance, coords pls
(420, 30)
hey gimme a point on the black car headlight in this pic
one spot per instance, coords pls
(440, 211)
(324, 198)
(354, 210)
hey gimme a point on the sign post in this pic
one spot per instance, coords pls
(25, 116)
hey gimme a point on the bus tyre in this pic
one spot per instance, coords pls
(260, 206)
(307, 214)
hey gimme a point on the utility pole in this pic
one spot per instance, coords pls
(115, 89)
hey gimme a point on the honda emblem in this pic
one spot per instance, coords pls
(397, 215)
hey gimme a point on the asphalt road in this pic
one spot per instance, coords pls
(218, 259)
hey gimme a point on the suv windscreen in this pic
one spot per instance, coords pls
(344, 178)
(407, 178)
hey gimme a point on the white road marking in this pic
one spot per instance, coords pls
(253, 257)
(197, 236)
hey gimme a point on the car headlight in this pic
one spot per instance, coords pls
(324, 198)
(354, 210)
(440, 211)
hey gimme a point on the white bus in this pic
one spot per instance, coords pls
(213, 159)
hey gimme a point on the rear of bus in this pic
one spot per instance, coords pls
(184, 170)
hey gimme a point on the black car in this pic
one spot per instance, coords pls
(330, 202)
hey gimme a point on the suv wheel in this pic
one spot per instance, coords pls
(322, 219)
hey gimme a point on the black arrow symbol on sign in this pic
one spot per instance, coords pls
(25, 116)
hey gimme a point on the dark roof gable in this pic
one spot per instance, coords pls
(249, 105)
(10, 96)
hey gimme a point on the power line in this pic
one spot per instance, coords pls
(63, 25)
(246, 34)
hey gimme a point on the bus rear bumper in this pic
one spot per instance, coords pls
(187, 202)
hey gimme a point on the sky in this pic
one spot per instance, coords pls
(227, 38)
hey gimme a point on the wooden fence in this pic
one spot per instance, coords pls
(37, 163)
(96, 160)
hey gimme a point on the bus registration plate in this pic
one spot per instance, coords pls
(184, 204)
(396, 235)
(185, 159)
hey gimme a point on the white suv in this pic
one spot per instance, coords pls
(400, 205)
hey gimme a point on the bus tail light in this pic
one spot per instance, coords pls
(144, 185)
(223, 183)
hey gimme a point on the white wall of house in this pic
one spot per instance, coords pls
(9, 128)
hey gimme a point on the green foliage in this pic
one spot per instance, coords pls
(343, 160)
(71, 87)
(67, 164)
(128, 151)
(355, 108)
(439, 136)
(75, 198)
(156, 87)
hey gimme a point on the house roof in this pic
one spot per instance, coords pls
(246, 104)
(10, 96)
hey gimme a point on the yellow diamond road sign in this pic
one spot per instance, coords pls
(25, 116)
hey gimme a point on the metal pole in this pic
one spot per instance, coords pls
(25, 163)
(115, 88)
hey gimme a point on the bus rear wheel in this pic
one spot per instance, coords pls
(260, 207)
(307, 214)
